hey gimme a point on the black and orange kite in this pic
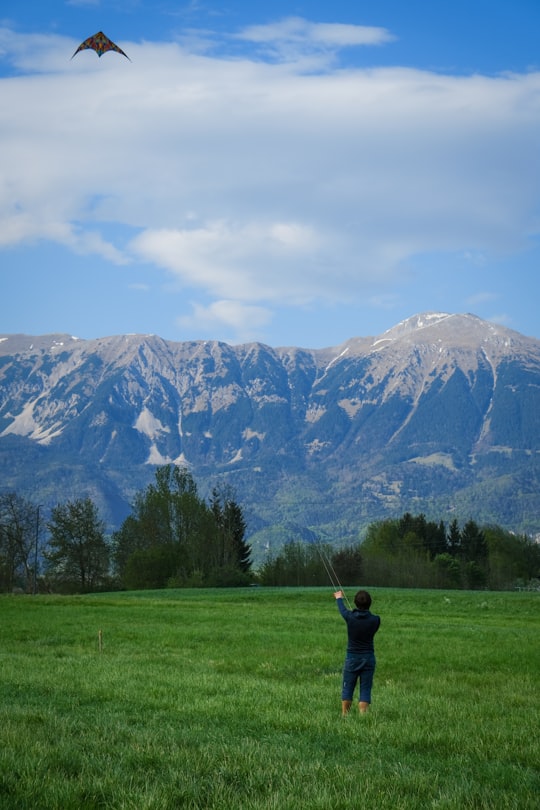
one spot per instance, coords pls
(100, 44)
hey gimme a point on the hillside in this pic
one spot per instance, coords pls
(439, 414)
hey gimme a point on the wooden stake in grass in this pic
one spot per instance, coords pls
(100, 640)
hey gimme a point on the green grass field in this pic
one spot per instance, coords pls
(231, 699)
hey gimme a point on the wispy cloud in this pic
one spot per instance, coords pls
(303, 32)
(244, 321)
(310, 45)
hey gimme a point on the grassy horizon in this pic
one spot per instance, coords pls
(231, 699)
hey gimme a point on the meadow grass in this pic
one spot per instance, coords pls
(231, 699)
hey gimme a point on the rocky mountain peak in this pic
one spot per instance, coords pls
(465, 331)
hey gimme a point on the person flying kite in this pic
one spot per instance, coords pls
(100, 44)
(360, 656)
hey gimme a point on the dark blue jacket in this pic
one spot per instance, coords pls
(361, 627)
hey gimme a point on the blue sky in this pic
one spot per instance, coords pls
(297, 173)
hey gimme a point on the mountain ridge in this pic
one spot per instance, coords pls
(438, 413)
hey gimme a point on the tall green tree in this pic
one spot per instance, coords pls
(419, 533)
(447, 571)
(231, 529)
(165, 520)
(473, 543)
(454, 538)
(174, 536)
(383, 538)
(78, 554)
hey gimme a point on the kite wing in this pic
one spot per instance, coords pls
(100, 44)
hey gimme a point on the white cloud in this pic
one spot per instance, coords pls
(300, 31)
(251, 261)
(237, 318)
(255, 183)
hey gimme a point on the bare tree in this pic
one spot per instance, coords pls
(19, 536)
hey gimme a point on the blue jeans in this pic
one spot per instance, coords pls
(358, 668)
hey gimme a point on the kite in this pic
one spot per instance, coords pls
(100, 44)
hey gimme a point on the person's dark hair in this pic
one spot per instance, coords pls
(362, 600)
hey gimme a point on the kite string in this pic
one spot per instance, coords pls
(331, 572)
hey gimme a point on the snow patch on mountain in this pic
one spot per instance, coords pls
(237, 457)
(150, 426)
(25, 424)
(248, 434)
(155, 457)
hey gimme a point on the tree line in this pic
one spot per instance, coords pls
(175, 538)
(413, 552)
(172, 538)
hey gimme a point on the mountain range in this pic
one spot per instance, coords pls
(439, 414)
